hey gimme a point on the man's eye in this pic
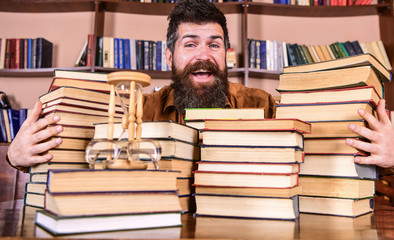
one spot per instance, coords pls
(215, 46)
(189, 45)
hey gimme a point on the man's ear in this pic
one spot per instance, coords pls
(169, 58)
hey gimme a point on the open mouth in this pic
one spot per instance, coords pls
(202, 73)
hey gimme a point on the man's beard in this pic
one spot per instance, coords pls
(190, 94)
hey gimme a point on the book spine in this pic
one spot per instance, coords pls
(99, 56)
(158, 55)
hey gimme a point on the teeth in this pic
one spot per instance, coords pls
(200, 70)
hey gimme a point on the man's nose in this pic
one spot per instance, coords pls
(203, 53)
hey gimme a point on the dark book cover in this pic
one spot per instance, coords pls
(343, 48)
(22, 53)
(29, 51)
(99, 56)
(334, 51)
(116, 52)
(357, 48)
(158, 55)
(350, 49)
(139, 49)
(307, 54)
(302, 54)
(154, 56)
(121, 53)
(290, 55)
(126, 53)
(297, 54)
(44, 49)
(22, 115)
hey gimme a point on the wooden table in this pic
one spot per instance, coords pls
(379, 225)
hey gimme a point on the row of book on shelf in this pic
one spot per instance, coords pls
(133, 54)
(274, 55)
(10, 122)
(321, 2)
(247, 166)
(25, 53)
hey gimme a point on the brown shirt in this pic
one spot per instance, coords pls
(159, 106)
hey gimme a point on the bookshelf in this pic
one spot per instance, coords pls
(101, 9)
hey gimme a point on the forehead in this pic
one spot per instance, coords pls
(199, 30)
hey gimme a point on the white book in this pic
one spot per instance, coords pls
(164, 66)
(83, 50)
(133, 55)
(2, 52)
(111, 53)
(106, 50)
(285, 57)
(384, 54)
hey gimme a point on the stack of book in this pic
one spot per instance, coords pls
(25, 53)
(274, 55)
(249, 168)
(89, 201)
(328, 95)
(180, 151)
(80, 99)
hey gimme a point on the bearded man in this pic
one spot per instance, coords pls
(197, 42)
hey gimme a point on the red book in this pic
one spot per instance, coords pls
(89, 56)
(17, 53)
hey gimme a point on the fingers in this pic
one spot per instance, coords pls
(44, 122)
(366, 160)
(361, 145)
(364, 132)
(31, 118)
(36, 150)
(382, 114)
(42, 135)
(372, 121)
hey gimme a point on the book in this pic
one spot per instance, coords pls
(3, 131)
(77, 119)
(154, 233)
(39, 188)
(236, 228)
(337, 187)
(110, 180)
(72, 143)
(67, 156)
(251, 154)
(336, 129)
(13, 119)
(365, 93)
(336, 206)
(82, 75)
(224, 113)
(39, 177)
(336, 165)
(34, 200)
(70, 131)
(236, 179)
(7, 124)
(247, 207)
(382, 49)
(71, 108)
(349, 62)
(248, 167)
(261, 124)
(184, 166)
(43, 53)
(334, 111)
(330, 79)
(104, 203)
(248, 191)
(154, 129)
(253, 138)
(72, 225)
(328, 146)
(74, 93)
(45, 167)
(80, 83)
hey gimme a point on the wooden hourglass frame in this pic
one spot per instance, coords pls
(133, 120)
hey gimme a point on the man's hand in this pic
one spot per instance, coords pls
(381, 135)
(25, 149)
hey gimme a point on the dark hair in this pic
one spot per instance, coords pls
(198, 12)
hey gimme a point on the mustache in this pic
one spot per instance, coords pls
(205, 65)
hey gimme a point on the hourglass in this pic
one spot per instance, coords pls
(121, 152)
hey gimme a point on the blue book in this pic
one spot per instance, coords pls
(263, 54)
(29, 45)
(13, 117)
(158, 55)
(120, 54)
(22, 116)
(116, 52)
(126, 50)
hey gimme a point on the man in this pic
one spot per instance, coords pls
(197, 41)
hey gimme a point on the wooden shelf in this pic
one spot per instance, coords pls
(42, 6)
(36, 72)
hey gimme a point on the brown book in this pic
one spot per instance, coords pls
(319, 53)
(67, 156)
(184, 166)
(328, 146)
(76, 132)
(338, 95)
(330, 129)
(111, 180)
(45, 167)
(336, 206)
(251, 154)
(337, 187)
(77, 119)
(331, 79)
(86, 84)
(93, 204)
(336, 111)
(261, 124)
(71, 108)
(241, 167)
(249, 191)
(349, 62)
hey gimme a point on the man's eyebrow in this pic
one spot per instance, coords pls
(196, 36)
